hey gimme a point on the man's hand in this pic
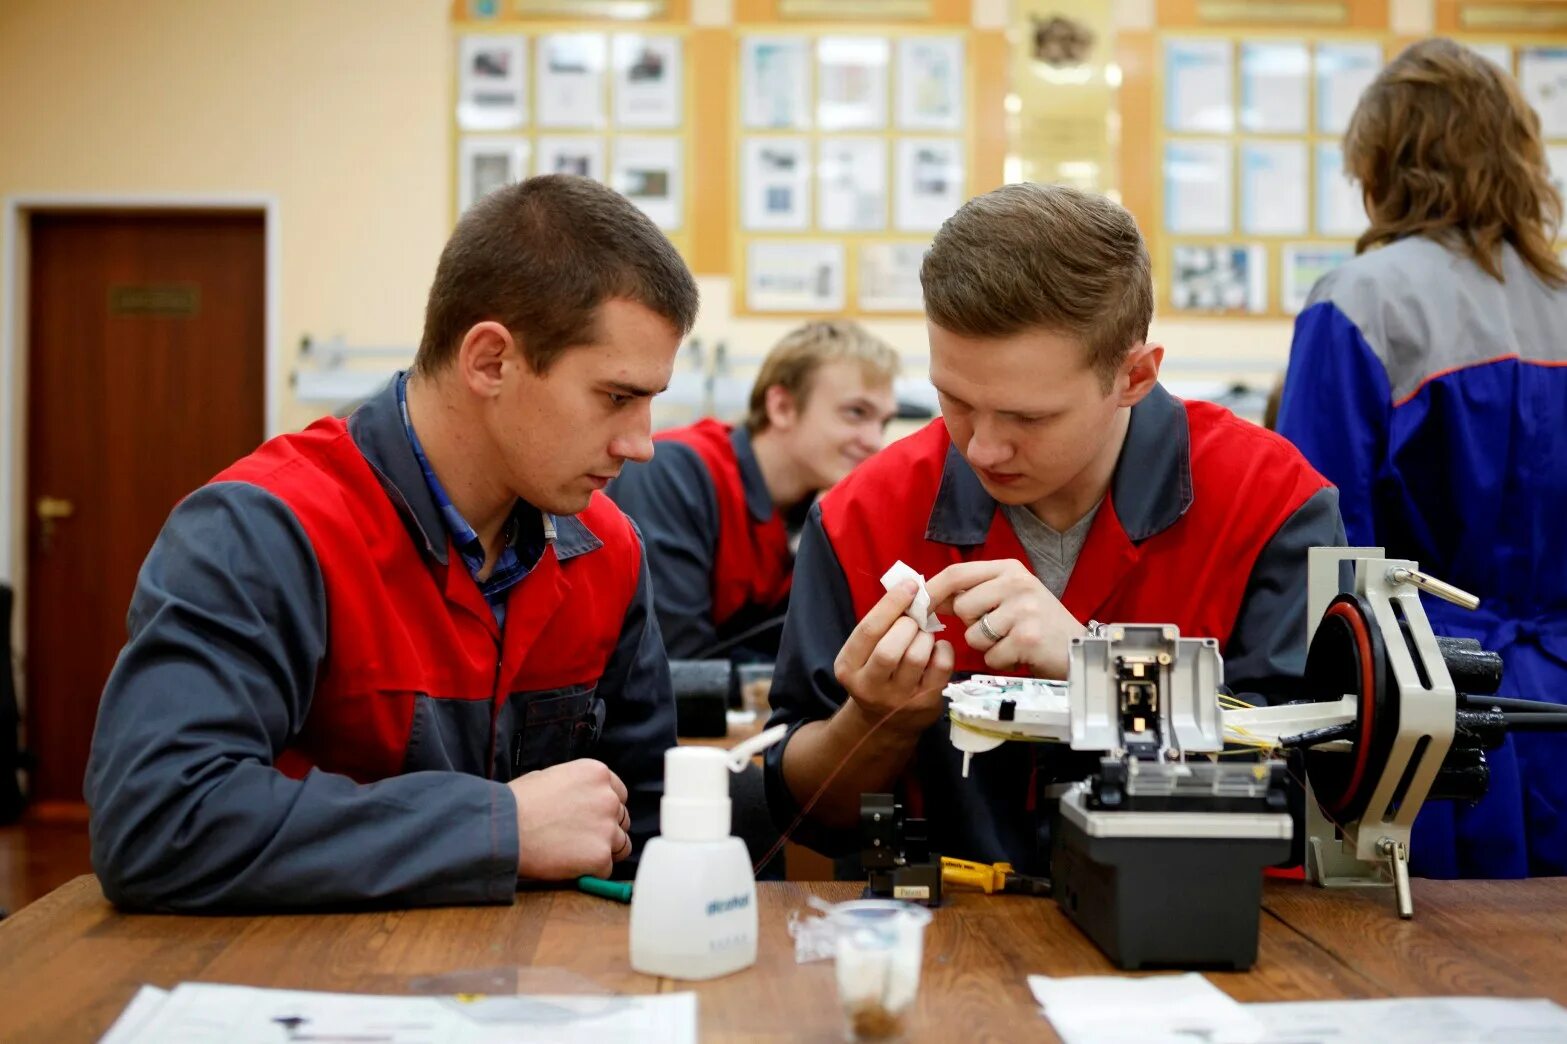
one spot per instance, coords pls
(1011, 617)
(571, 821)
(888, 664)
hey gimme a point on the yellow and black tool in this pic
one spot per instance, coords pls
(991, 877)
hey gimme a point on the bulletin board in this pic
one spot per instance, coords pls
(606, 92)
(1232, 121)
(689, 170)
(851, 145)
(1233, 118)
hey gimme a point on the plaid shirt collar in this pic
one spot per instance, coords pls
(527, 529)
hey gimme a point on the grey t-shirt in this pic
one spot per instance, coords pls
(1051, 554)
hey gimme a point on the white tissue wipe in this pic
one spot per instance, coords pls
(919, 611)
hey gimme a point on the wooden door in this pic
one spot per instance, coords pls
(146, 376)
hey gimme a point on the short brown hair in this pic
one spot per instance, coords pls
(541, 256)
(793, 362)
(1444, 145)
(1050, 256)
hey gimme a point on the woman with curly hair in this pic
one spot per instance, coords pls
(1428, 380)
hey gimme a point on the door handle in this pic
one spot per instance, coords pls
(53, 508)
(49, 511)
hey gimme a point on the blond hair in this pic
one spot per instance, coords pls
(1444, 145)
(793, 362)
(1043, 256)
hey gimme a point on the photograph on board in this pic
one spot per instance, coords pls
(570, 90)
(929, 178)
(1219, 278)
(492, 87)
(582, 155)
(487, 163)
(930, 83)
(777, 184)
(851, 82)
(889, 277)
(648, 80)
(795, 277)
(647, 172)
(851, 184)
(775, 82)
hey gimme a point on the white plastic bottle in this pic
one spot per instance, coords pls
(693, 908)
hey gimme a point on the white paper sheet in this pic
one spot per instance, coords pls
(1340, 209)
(930, 83)
(649, 78)
(1303, 265)
(851, 184)
(1273, 188)
(485, 164)
(1344, 71)
(1197, 187)
(784, 276)
(570, 91)
(146, 1004)
(1417, 1020)
(919, 609)
(851, 82)
(889, 277)
(776, 182)
(648, 172)
(775, 82)
(1197, 77)
(1177, 1009)
(929, 183)
(1542, 73)
(201, 1012)
(571, 154)
(492, 82)
(1274, 79)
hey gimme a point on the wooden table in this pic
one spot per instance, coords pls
(70, 962)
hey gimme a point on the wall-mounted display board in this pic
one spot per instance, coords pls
(852, 144)
(537, 94)
(809, 150)
(1233, 115)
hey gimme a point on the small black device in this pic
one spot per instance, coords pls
(701, 696)
(895, 852)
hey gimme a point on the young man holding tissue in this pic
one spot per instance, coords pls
(1062, 486)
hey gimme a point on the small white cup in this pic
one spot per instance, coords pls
(880, 948)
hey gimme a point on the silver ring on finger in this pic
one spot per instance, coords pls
(987, 630)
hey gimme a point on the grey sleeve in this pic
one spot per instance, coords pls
(639, 720)
(1266, 653)
(227, 631)
(804, 687)
(672, 500)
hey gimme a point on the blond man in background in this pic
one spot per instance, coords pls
(718, 504)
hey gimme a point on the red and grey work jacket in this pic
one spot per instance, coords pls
(316, 704)
(1205, 526)
(717, 546)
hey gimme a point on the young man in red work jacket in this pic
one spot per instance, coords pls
(718, 503)
(1062, 486)
(411, 657)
